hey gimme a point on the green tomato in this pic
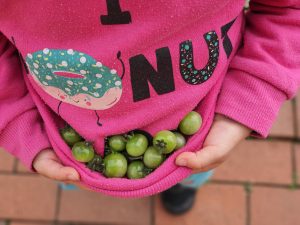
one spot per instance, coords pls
(70, 136)
(117, 143)
(83, 151)
(137, 145)
(136, 170)
(191, 123)
(180, 140)
(165, 141)
(115, 165)
(152, 158)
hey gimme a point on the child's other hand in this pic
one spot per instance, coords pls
(47, 164)
(223, 136)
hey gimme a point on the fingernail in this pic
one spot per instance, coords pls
(72, 177)
(181, 162)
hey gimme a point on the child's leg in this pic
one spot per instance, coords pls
(193, 181)
(181, 197)
(197, 180)
(67, 187)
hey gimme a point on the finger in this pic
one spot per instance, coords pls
(208, 168)
(54, 170)
(49, 166)
(199, 160)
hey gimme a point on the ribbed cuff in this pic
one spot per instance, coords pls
(25, 137)
(250, 101)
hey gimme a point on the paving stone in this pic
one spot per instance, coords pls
(6, 161)
(284, 124)
(215, 205)
(258, 161)
(21, 168)
(27, 197)
(275, 206)
(31, 223)
(87, 206)
(297, 155)
(298, 114)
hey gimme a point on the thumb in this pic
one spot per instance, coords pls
(205, 159)
(47, 164)
(223, 136)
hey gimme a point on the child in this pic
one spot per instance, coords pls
(93, 64)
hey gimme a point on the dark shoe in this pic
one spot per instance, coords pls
(178, 199)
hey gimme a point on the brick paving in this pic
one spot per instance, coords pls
(27, 197)
(281, 204)
(258, 185)
(257, 161)
(20, 168)
(99, 208)
(6, 161)
(217, 204)
(284, 125)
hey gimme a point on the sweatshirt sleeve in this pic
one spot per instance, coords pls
(21, 128)
(265, 71)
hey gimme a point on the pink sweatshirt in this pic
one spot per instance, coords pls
(108, 67)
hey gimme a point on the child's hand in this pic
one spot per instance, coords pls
(223, 136)
(47, 164)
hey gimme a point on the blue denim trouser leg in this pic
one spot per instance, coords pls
(193, 181)
(197, 180)
(68, 187)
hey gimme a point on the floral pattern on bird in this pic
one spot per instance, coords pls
(187, 69)
(75, 78)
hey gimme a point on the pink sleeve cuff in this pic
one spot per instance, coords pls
(250, 101)
(25, 137)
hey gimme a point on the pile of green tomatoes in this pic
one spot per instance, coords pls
(133, 154)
